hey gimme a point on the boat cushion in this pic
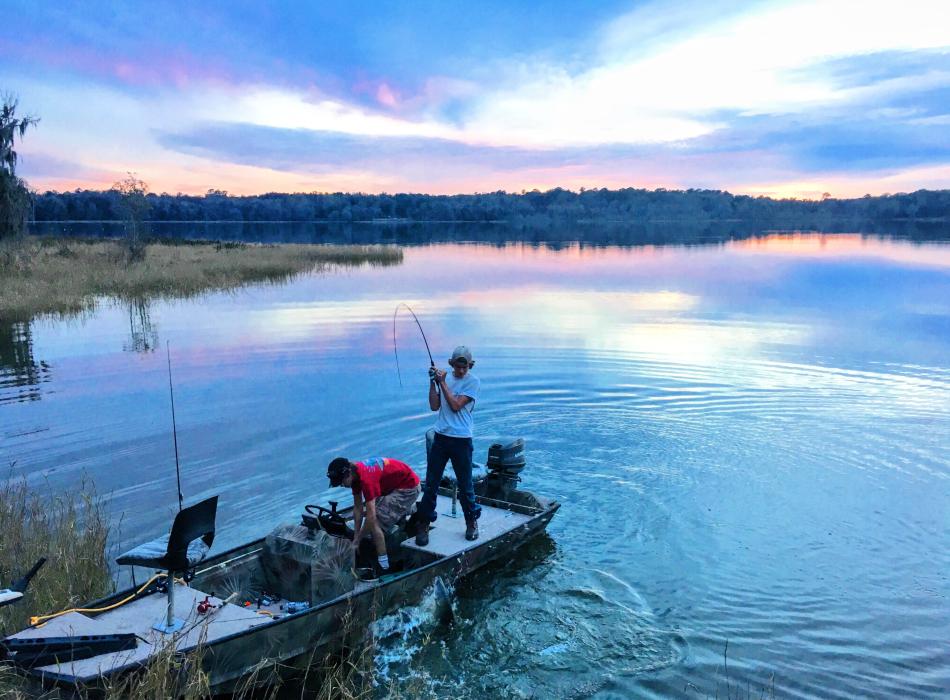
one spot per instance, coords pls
(152, 554)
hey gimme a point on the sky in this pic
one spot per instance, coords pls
(775, 98)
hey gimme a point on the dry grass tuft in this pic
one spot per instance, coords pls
(70, 530)
(60, 276)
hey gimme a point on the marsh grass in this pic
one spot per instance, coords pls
(71, 530)
(57, 276)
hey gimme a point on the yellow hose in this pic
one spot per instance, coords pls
(38, 619)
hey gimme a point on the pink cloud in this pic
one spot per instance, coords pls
(386, 96)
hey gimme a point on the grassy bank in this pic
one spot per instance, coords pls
(70, 531)
(64, 276)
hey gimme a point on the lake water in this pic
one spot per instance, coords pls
(750, 440)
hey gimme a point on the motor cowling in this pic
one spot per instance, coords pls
(506, 457)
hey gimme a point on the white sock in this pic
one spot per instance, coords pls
(384, 561)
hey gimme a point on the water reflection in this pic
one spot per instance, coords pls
(20, 374)
(143, 337)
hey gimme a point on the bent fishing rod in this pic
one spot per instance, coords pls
(424, 340)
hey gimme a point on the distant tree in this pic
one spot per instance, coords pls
(14, 194)
(133, 206)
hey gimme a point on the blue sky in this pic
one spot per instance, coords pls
(780, 98)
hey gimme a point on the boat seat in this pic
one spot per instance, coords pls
(154, 554)
(185, 546)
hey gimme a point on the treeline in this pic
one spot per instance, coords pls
(14, 193)
(526, 209)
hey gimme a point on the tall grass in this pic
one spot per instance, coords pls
(71, 530)
(67, 276)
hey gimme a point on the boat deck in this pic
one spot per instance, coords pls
(138, 617)
(447, 534)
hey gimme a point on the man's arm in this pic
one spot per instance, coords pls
(357, 517)
(456, 403)
(434, 402)
(378, 537)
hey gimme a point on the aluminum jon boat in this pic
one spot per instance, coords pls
(286, 599)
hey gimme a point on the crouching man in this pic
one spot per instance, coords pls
(384, 490)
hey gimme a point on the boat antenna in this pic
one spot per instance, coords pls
(171, 393)
(395, 351)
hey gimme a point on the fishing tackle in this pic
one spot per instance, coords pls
(424, 340)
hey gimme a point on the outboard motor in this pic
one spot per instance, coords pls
(505, 462)
(507, 457)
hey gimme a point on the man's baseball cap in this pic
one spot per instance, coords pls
(461, 353)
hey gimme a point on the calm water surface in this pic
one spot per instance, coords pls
(750, 441)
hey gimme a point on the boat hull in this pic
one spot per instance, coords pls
(299, 640)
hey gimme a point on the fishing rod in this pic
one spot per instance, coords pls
(424, 340)
(171, 393)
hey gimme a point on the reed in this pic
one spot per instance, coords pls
(59, 276)
(71, 530)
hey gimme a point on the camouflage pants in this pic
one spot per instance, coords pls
(391, 507)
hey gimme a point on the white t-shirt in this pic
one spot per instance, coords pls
(458, 423)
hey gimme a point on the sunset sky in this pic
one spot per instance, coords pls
(778, 98)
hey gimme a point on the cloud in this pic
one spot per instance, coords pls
(45, 166)
(325, 151)
(749, 65)
(872, 68)
(436, 98)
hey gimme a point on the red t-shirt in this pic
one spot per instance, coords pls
(378, 476)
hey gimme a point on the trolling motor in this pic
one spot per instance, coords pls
(18, 587)
(330, 521)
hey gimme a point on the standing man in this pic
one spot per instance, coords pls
(384, 490)
(453, 441)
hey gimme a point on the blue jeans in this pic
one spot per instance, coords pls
(459, 450)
